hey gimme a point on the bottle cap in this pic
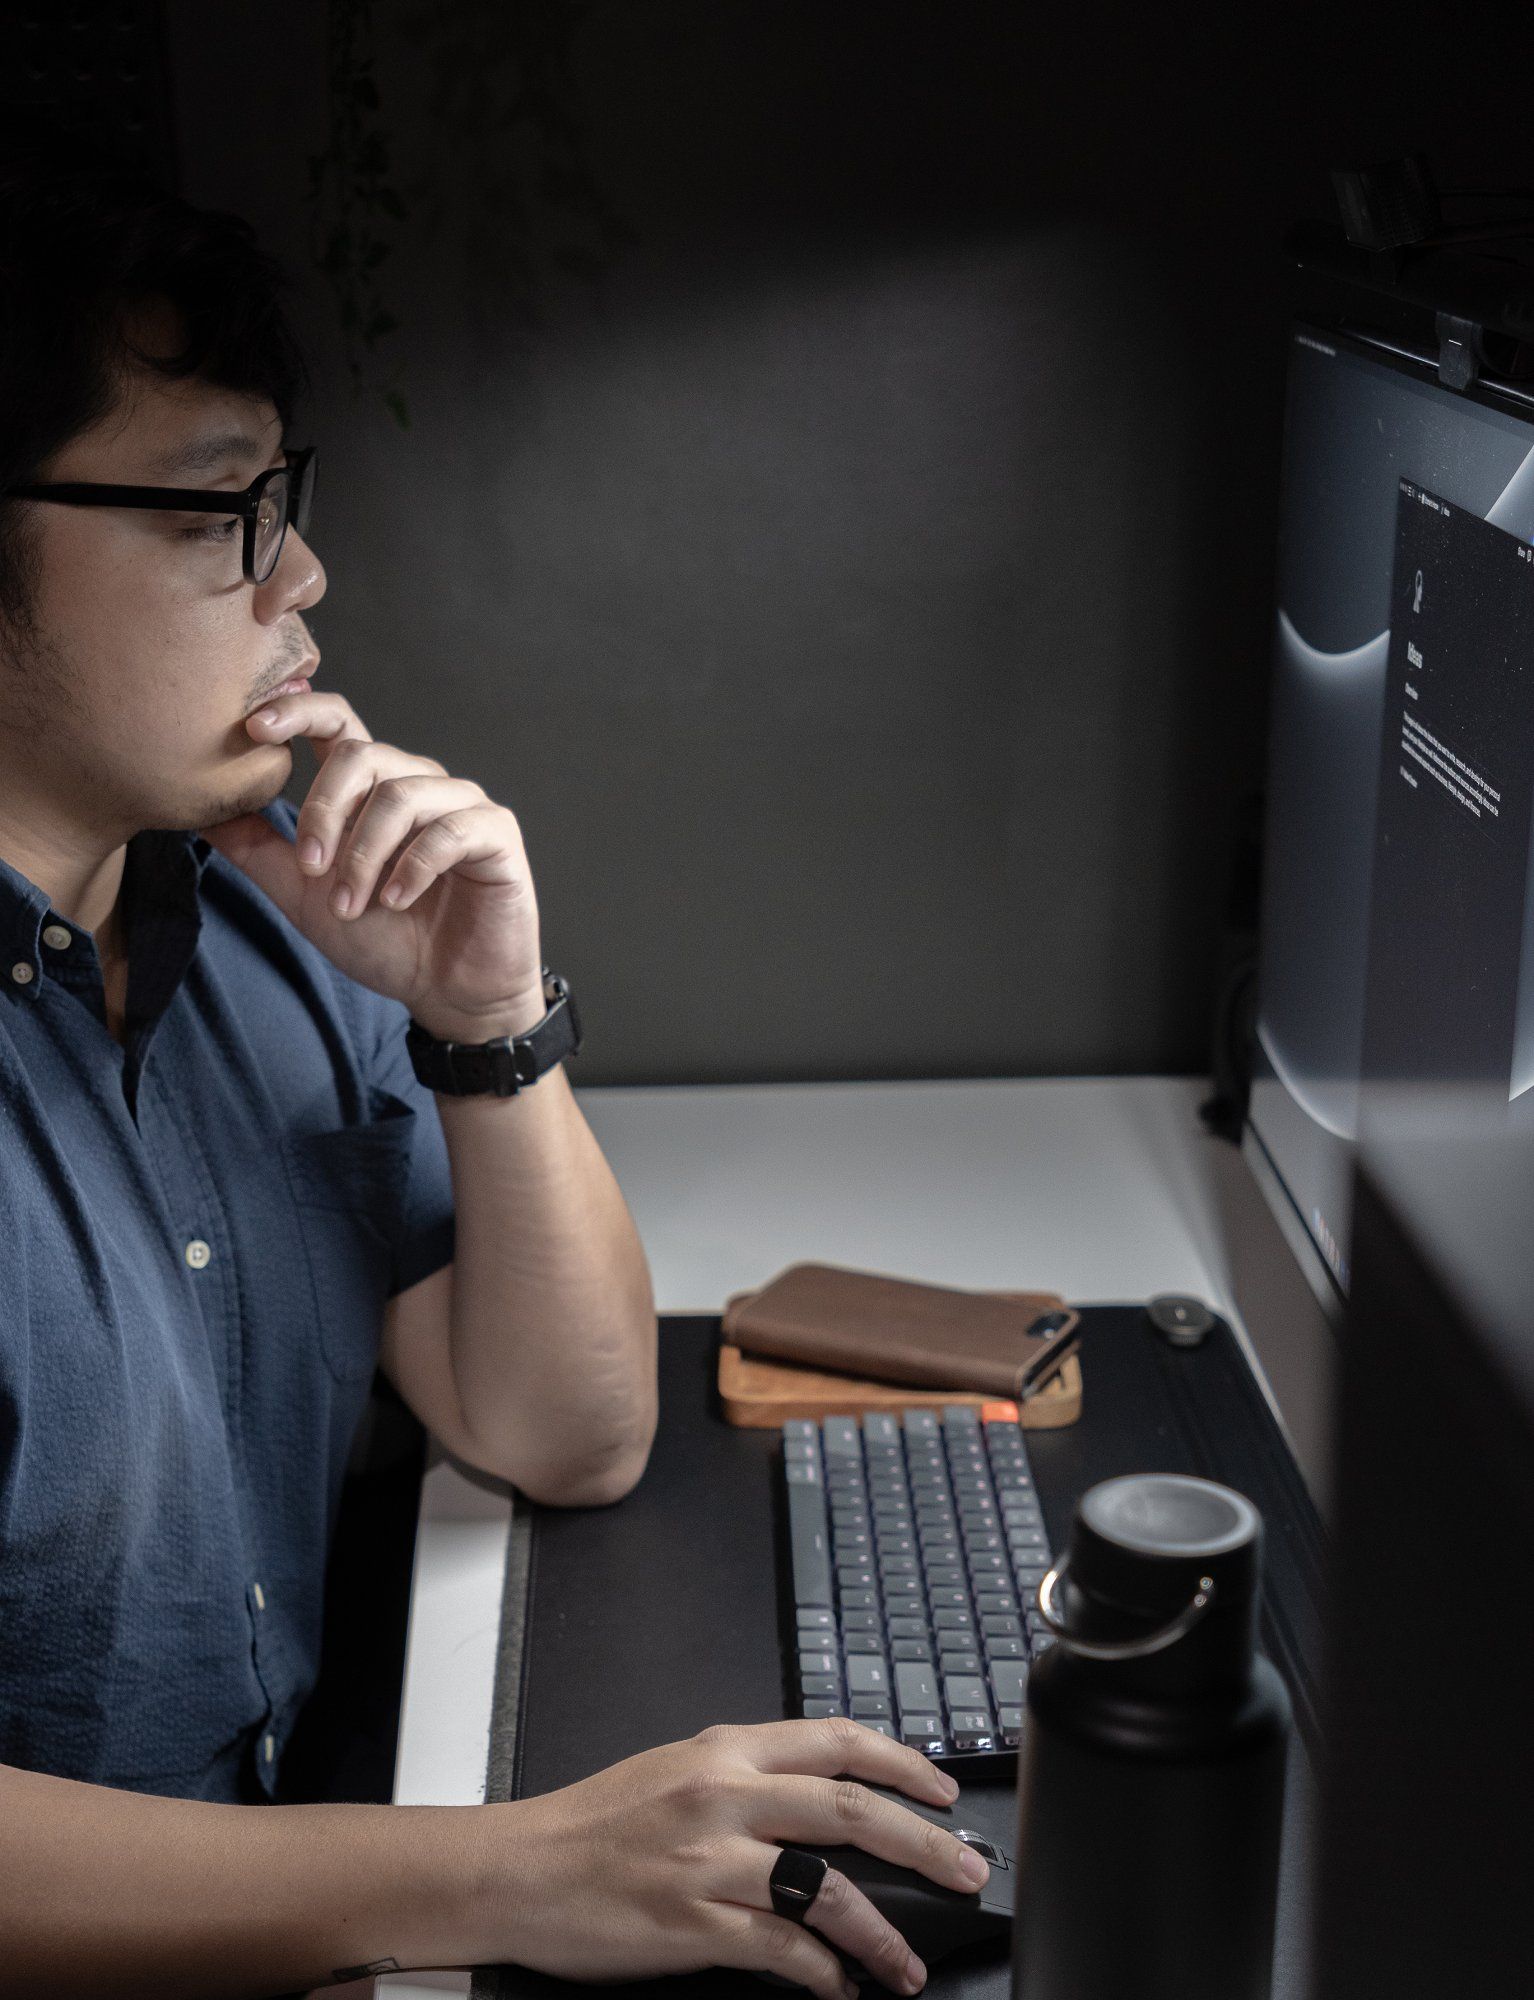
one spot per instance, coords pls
(1149, 1555)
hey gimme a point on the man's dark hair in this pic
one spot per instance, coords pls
(85, 239)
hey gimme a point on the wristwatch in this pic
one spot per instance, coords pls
(506, 1064)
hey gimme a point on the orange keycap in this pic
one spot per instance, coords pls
(998, 1413)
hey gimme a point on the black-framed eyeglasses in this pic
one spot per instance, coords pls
(274, 498)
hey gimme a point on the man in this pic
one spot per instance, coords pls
(230, 1197)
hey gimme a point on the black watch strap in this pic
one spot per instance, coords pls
(508, 1063)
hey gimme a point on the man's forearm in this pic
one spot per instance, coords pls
(107, 1892)
(553, 1313)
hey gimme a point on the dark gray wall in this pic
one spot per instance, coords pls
(858, 587)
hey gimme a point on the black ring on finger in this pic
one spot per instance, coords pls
(795, 1882)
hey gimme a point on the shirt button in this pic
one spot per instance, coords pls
(270, 1748)
(21, 972)
(57, 936)
(260, 1596)
(197, 1253)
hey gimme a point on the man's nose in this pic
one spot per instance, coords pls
(297, 582)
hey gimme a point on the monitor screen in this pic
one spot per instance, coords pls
(1398, 900)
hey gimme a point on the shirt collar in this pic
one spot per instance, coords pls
(165, 865)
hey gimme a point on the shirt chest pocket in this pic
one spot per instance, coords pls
(350, 1186)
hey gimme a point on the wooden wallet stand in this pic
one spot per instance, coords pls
(760, 1395)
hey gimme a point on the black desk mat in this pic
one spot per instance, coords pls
(643, 1623)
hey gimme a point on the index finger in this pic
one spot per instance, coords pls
(837, 1747)
(321, 714)
(816, 1813)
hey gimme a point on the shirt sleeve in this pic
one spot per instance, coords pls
(426, 1237)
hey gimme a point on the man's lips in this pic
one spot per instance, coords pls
(292, 684)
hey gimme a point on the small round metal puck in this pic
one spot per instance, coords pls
(1181, 1322)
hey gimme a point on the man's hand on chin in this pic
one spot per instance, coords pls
(414, 883)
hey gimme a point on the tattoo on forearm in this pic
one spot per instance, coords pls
(344, 1972)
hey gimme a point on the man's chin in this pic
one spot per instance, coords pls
(256, 793)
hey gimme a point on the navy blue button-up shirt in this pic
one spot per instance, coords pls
(200, 1231)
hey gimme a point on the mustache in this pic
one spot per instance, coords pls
(298, 649)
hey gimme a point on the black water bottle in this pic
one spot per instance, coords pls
(1151, 1774)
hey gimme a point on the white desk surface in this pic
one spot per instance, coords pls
(1101, 1189)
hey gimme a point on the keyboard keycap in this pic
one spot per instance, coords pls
(915, 1689)
(840, 1437)
(1008, 1679)
(825, 1686)
(1009, 1725)
(971, 1729)
(1005, 1649)
(865, 1642)
(815, 1709)
(866, 1675)
(810, 1559)
(924, 1733)
(818, 1663)
(884, 1728)
(860, 1600)
(858, 1621)
(912, 1649)
(964, 1691)
(866, 1705)
(961, 1663)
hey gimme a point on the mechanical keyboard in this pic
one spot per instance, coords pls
(916, 1548)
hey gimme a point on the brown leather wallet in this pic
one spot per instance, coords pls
(898, 1330)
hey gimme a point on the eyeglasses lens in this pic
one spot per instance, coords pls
(271, 524)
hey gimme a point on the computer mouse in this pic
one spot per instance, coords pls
(934, 1921)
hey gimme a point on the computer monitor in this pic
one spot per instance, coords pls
(1377, 751)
